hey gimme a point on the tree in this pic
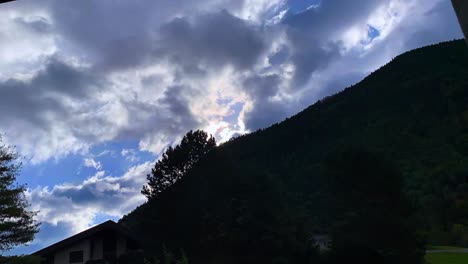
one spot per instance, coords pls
(23, 259)
(369, 209)
(177, 161)
(17, 225)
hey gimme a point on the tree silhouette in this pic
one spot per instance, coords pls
(176, 161)
(369, 208)
(17, 225)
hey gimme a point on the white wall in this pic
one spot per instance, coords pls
(62, 256)
(97, 253)
(121, 245)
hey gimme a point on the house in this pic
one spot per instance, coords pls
(105, 242)
(461, 8)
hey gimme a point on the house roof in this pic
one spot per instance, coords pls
(461, 8)
(108, 225)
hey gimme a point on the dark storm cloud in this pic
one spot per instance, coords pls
(92, 191)
(44, 94)
(64, 79)
(214, 40)
(265, 110)
(181, 117)
(310, 54)
(113, 34)
(121, 34)
(265, 113)
(262, 86)
(169, 116)
(61, 101)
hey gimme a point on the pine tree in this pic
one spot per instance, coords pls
(17, 225)
(177, 161)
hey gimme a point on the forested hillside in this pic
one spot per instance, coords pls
(266, 193)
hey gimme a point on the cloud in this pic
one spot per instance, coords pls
(130, 155)
(173, 66)
(267, 108)
(36, 24)
(126, 36)
(91, 163)
(76, 205)
(27, 37)
(37, 110)
(70, 109)
(211, 40)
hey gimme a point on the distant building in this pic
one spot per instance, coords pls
(103, 243)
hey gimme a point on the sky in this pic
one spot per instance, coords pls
(92, 92)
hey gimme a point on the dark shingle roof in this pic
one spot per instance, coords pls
(108, 225)
(461, 8)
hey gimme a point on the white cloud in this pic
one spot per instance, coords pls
(260, 10)
(19, 56)
(130, 155)
(77, 205)
(91, 163)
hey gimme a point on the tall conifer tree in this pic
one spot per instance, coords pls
(177, 161)
(17, 225)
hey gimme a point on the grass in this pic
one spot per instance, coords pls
(447, 258)
(443, 248)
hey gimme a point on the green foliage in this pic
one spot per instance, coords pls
(446, 258)
(17, 225)
(167, 256)
(138, 257)
(369, 209)
(177, 161)
(132, 257)
(259, 198)
(151, 260)
(444, 248)
(20, 260)
(183, 258)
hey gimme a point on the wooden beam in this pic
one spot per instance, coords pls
(461, 8)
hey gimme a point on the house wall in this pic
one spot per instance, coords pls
(97, 252)
(121, 245)
(62, 256)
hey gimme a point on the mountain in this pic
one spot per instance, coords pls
(265, 190)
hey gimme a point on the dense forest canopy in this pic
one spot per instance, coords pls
(264, 194)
